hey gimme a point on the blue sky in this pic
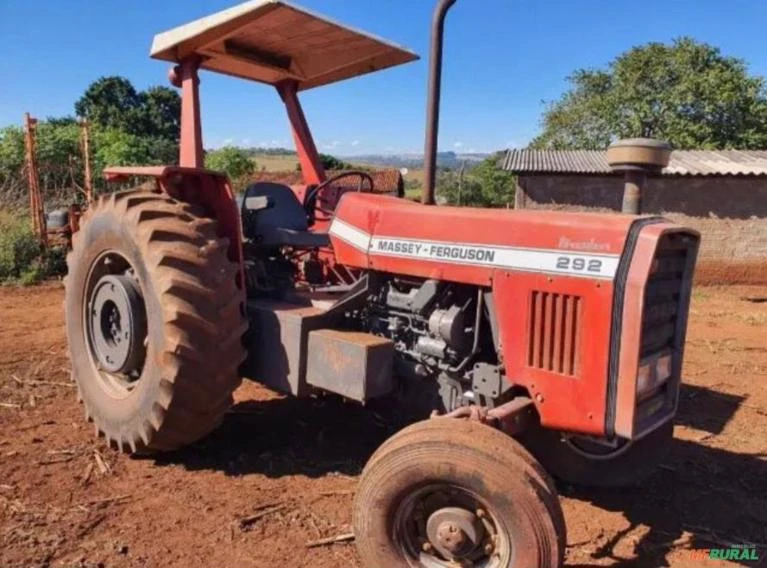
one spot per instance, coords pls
(502, 59)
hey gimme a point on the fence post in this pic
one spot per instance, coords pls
(36, 209)
(87, 161)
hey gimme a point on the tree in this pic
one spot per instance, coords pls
(160, 112)
(332, 163)
(686, 93)
(114, 147)
(484, 185)
(113, 103)
(232, 160)
(127, 128)
(110, 102)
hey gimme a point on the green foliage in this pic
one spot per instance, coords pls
(21, 259)
(273, 151)
(113, 147)
(332, 163)
(19, 248)
(686, 93)
(11, 152)
(160, 114)
(484, 185)
(114, 104)
(111, 102)
(128, 128)
(232, 160)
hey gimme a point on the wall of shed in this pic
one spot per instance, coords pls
(729, 212)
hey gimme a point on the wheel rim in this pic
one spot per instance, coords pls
(115, 325)
(443, 525)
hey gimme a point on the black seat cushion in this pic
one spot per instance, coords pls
(283, 223)
(298, 239)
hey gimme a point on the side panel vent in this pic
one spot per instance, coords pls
(554, 334)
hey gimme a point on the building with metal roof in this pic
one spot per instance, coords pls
(723, 194)
(683, 162)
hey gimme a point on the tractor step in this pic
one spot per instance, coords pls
(353, 364)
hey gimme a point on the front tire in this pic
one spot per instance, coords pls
(154, 321)
(446, 490)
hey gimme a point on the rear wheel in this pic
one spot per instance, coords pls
(154, 321)
(448, 492)
(584, 461)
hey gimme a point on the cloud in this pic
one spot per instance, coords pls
(331, 146)
(245, 141)
(228, 142)
(458, 145)
(355, 143)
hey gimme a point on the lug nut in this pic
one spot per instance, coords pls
(427, 547)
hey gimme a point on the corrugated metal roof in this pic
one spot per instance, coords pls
(682, 163)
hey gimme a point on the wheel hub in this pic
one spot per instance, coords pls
(117, 324)
(455, 532)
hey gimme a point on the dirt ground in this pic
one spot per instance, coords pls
(280, 473)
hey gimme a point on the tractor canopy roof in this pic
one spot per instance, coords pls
(273, 40)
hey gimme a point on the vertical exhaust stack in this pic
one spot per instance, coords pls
(637, 157)
(432, 105)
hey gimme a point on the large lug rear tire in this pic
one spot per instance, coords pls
(448, 492)
(154, 321)
(585, 462)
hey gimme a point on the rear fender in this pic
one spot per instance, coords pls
(205, 188)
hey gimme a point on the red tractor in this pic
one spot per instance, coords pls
(540, 342)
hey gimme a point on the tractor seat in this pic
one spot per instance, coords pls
(272, 216)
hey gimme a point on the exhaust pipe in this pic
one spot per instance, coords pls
(637, 158)
(432, 104)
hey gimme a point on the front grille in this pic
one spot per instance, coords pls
(554, 333)
(666, 293)
(664, 321)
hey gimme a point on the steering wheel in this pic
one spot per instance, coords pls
(313, 193)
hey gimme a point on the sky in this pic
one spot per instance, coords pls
(503, 60)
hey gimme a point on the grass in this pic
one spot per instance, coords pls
(276, 163)
(756, 319)
(700, 294)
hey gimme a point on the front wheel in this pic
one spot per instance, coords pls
(448, 492)
(591, 463)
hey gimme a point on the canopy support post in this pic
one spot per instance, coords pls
(308, 156)
(185, 76)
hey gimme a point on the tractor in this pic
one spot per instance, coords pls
(524, 346)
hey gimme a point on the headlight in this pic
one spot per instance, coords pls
(653, 372)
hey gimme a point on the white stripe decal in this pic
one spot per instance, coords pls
(516, 258)
(352, 235)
